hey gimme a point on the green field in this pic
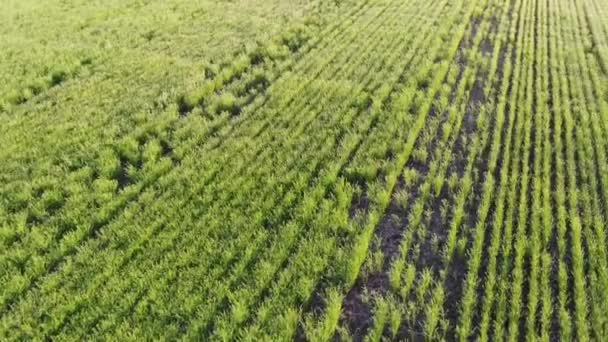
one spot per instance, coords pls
(309, 170)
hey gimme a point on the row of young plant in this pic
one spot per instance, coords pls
(437, 305)
(592, 142)
(22, 260)
(521, 212)
(528, 243)
(573, 293)
(585, 115)
(434, 311)
(36, 156)
(419, 291)
(418, 180)
(504, 95)
(571, 87)
(535, 244)
(227, 195)
(595, 90)
(499, 141)
(534, 238)
(245, 78)
(559, 89)
(516, 126)
(440, 167)
(406, 274)
(594, 73)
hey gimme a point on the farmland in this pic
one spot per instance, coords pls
(309, 170)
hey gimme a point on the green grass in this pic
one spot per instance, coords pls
(276, 170)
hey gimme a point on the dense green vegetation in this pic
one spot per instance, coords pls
(269, 170)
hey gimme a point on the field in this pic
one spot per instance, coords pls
(309, 170)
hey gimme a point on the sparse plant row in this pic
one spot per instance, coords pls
(504, 94)
(523, 229)
(442, 157)
(437, 165)
(579, 295)
(466, 185)
(549, 294)
(562, 314)
(438, 296)
(382, 140)
(434, 313)
(403, 156)
(516, 109)
(429, 137)
(427, 294)
(410, 182)
(415, 234)
(468, 302)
